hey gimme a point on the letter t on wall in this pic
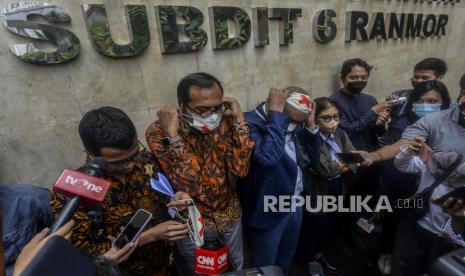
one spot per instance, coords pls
(288, 18)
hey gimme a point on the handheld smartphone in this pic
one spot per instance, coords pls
(133, 229)
(350, 158)
(458, 193)
(399, 101)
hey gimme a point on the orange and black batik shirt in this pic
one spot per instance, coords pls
(96, 222)
(200, 164)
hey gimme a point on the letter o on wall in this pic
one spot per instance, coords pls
(429, 25)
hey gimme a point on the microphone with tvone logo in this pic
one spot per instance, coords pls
(83, 187)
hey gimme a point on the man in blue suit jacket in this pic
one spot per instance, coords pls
(286, 142)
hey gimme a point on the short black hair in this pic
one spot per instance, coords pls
(200, 79)
(348, 64)
(426, 86)
(462, 82)
(324, 103)
(106, 127)
(437, 65)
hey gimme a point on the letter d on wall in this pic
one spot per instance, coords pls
(219, 27)
(15, 19)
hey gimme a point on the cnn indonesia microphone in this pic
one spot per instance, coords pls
(84, 186)
(212, 257)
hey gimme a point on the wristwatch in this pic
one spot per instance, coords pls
(168, 141)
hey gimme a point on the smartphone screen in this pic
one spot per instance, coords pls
(349, 158)
(133, 229)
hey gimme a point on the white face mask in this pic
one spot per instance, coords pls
(194, 223)
(203, 125)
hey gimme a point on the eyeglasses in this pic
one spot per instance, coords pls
(327, 119)
(122, 164)
(209, 111)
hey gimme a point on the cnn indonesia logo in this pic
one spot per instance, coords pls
(208, 262)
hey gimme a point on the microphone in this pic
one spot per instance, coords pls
(83, 186)
(212, 257)
(315, 269)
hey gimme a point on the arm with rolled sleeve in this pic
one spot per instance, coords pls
(407, 162)
(450, 234)
(269, 142)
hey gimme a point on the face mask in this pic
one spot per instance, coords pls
(356, 87)
(461, 121)
(416, 84)
(330, 126)
(203, 125)
(194, 223)
(422, 109)
(291, 126)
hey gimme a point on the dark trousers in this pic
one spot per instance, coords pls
(416, 249)
(278, 245)
(318, 229)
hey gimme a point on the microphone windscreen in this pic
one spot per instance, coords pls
(91, 189)
(96, 167)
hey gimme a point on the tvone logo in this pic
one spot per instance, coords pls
(84, 183)
(205, 260)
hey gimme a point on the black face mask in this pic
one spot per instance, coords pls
(462, 115)
(417, 84)
(356, 87)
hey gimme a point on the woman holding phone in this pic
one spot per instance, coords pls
(328, 179)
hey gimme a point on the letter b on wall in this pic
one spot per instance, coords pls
(169, 29)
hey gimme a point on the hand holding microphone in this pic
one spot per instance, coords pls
(84, 187)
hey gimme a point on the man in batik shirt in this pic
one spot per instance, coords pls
(108, 133)
(198, 144)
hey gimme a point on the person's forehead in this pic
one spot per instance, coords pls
(431, 93)
(358, 70)
(205, 96)
(119, 154)
(423, 72)
(329, 111)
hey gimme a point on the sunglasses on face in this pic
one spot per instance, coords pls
(327, 119)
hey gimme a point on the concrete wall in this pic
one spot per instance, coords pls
(41, 105)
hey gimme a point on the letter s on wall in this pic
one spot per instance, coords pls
(15, 19)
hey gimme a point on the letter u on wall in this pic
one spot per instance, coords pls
(100, 35)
